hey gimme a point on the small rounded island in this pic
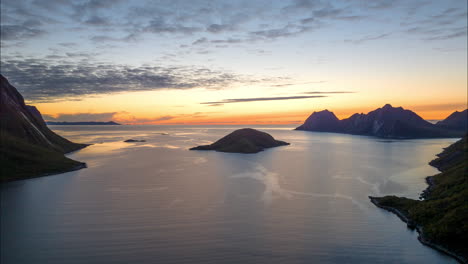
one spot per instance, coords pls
(246, 140)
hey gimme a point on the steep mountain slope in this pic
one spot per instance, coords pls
(28, 147)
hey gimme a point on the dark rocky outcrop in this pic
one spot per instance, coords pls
(91, 123)
(28, 147)
(244, 140)
(385, 122)
(457, 121)
(134, 140)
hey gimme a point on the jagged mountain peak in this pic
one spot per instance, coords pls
(386, 122)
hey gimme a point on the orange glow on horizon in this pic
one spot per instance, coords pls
(285, 118)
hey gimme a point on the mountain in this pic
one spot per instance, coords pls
(457, 121)
(441, 218)
(323, 121)
(385, 122)
(28, 147)
(246, 140)
(91, 123)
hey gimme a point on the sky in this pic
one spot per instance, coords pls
(234, 62)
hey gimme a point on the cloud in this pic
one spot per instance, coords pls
(68, 44)
(447, 24)
(45, 80)
(257, 99)
(163, 118)
(285, 31)
(97, 21)
(81, 117)
(158, 25)
(217, 28)
(292, 84)
(331, 92)
(367, 38)
(20, 32)
(455, 33)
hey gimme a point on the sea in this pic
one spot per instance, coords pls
(158, 202)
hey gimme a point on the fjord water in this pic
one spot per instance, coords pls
(157, 202)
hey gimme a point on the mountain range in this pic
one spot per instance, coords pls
(28, 147)
(387, 122)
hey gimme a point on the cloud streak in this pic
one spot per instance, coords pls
(331, 92)
(81, 117)
(259, 99)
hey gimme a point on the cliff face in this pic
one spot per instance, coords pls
(385, 122)
(28, 147)
(25, 122)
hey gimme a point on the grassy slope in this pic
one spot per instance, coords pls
(442, 218)
(20, 159)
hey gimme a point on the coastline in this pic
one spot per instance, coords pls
(420, 231)
(78, 166)
(440, 214)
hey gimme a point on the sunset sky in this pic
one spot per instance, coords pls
(234, 62)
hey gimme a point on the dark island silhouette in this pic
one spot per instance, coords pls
(89, 123)
(134, 140)
(28, 147)
(246, 140)
(441, 218)
(386, 122)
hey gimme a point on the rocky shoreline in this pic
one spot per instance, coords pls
(412, 225)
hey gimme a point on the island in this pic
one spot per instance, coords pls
(134, 140)
(387, 122)
(246, 140)
(28, 147)
(90, 123)
(441, 217)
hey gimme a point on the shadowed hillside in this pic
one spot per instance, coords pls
(28, 147)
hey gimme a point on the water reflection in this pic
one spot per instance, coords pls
(158, 202)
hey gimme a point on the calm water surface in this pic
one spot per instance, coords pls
(157, 202)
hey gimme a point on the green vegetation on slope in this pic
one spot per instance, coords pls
(442, 218)
(20, 159)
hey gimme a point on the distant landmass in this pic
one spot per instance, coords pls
(387, 122)
(441, 218)
(28, 147)
(91, 123)
(246, 140)
(457, 121)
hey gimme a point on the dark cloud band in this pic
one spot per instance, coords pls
(44, 80)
